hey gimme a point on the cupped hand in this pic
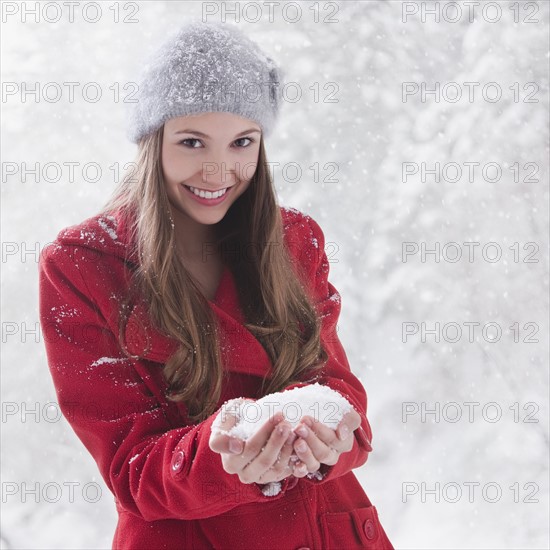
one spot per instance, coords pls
(262, 458)
(318, 444)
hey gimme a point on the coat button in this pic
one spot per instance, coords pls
(368, 529)
(177, 461)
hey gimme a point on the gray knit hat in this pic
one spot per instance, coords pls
(206, 67)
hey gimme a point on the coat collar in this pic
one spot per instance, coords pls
(240, 350)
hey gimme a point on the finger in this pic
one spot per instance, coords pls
(349, 423)
(234, 462)
(268, 455)
(220, 440)
(325, 434)
(257, 441)
(283, 466)
(329, 437)
(300, 469)
(226, 444)
(305, 454)
(322, 442)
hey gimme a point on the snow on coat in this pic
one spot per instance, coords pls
(170, 488)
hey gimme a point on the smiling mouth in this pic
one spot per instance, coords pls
(208, 194)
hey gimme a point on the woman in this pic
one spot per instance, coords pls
(193, 287)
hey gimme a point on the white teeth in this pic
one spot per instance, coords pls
(208, 194)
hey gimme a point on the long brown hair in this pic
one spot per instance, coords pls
(276, 304)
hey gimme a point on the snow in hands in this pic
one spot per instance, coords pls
(320, 402)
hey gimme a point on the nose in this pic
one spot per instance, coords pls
(219, 171)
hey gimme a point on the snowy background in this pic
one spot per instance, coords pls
(359, 55)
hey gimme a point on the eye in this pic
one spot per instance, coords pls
(192, 143)
(238, 142)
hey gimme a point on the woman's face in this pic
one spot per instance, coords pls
(210, 152)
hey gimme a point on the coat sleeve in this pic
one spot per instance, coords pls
(336, 373)
(155, 468)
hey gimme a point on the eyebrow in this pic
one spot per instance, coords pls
(197, 133)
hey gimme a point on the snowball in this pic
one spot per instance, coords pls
(320, 402)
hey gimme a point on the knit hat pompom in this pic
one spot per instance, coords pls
(206, 67)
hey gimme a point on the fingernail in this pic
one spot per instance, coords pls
(302, 430)
(235, 446)
(290, 439)
(344, 432)
(301, 446)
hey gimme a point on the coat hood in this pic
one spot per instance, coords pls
(109, 234)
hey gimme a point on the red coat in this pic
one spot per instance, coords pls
(170, 488)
